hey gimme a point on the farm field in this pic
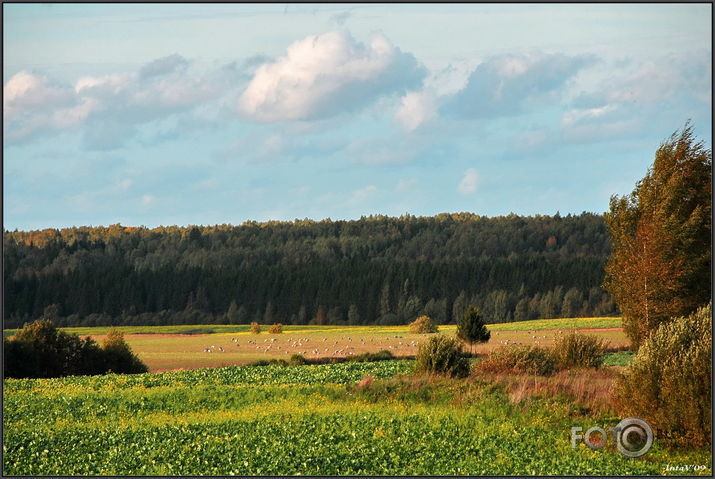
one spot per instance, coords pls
(315, 420)
(165, 348)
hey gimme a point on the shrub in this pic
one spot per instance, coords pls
(383, 355)
(255, 328)
(442, 355)
(668, 383)
(519, 359)
(579, 350)
(40, 350)
(471, 327)
(297, 360)
(275, 329)
(119, 356)
(423, 325)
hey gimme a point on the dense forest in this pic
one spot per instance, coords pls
(377, 269)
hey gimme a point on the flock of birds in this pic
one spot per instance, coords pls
(340, 347)
(535, 339)
(343, 346)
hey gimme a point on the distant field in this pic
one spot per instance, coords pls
(165, 348)
(534, 325)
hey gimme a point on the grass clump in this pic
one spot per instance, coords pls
(669, 381)
(255, 328)
(442, 355)
(276, 329)
(575, 350)
(519, 359)
(423, 325)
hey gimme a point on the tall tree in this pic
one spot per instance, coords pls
(661, 238)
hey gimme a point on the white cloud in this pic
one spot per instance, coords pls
(415, 109)
(107, 107)
(507, 84)
(147, 199)
(469, 182)
(323, 75)
(27, 91)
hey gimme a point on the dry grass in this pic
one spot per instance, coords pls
(163, 352)
(590, 389)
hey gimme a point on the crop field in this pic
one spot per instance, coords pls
(165, 348)
(274, 420)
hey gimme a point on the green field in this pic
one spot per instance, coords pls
(534, 325)
(299, 420)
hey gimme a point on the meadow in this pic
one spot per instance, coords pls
(165, 348)
(333, 419)
(320, 420)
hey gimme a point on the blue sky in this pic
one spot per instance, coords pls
(204, 114)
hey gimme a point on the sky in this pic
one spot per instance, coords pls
(209, 114)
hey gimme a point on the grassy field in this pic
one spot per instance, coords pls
(302, 420)
(165, 348)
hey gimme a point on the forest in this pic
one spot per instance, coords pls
(375, 270)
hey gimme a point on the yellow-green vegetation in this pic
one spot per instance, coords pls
(301, 420)
(535, 325)
(560, 323)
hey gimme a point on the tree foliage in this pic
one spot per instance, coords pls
(661, 238)
(375, 270)
(471, 327)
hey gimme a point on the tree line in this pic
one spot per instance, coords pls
(375, 270)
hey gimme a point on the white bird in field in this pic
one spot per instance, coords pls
(220, 348)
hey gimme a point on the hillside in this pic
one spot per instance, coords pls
(376, 270)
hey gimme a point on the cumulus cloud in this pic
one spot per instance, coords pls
(324, 75)
(107, 108)
(505, 85)
(469, 182)
(415, 109)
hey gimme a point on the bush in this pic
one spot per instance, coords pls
(255, 328)
(519, 359)
(297, 360)
(669, 381)
(383, 355)
(40, 350)
(275, 329)
(442, 355)
(119, 357)
(423, 325)
(579, 350)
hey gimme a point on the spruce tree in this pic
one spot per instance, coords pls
(471, 328)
